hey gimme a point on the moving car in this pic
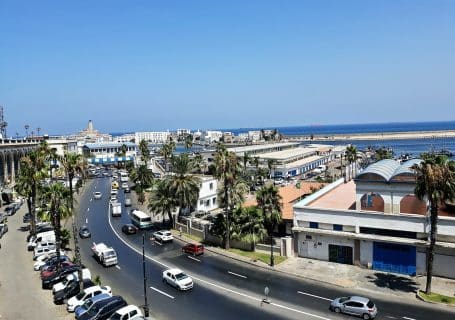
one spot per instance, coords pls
(124, 185)
(193, 248)
(163, 236)
(127, 190)
(178, 279)
(84, 232)
(85, 294)
(97, 195)
(129, 229)
(127, 202)
(355, 305)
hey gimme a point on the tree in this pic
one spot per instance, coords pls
(269, 201)
(435, 181)
(166, 152)
(227, 170)
(245, 159)
(142, 177)
(351, 155)
(56, 195)
(199, 163)
(162, 199)
(271, 165)
(188, 141)
(184, 186)
(144, 150)
(383, 153)
(74, 164)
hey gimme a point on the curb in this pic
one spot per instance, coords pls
(432, 302)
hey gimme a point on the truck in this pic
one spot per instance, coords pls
(116, 208)
(104, 254)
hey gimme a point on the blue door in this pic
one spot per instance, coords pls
(395, 258)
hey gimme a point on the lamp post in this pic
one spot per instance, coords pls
(146, 307)
(26, 130)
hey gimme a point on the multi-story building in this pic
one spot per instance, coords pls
(212, 136)
(107, 153)
(374, 221)
(152, 137)
(254, 136)
(183, 132)
(207, 200)
(128, 137)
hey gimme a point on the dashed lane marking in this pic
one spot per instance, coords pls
(162, 292)
(193, 258)
(313, 295)
(237, 275)
(408, 318)
(88, 209)
(117, 266)
(86, 220)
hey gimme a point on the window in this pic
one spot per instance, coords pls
(214, 201)
(314, 225)
(201, 202)
(211, 185)
(308, 237)
(337, 227)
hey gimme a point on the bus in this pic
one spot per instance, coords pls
(141, 219)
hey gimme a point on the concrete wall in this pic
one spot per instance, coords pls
(366, 253)
(318, 246)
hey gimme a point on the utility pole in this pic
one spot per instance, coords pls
(146, 307)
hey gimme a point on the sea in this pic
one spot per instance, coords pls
(411, 147)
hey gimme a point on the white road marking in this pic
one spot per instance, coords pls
(117, 266)
(86, 220)
(157, 242)
(408, 318)
(391, 317)
(91, 199)
(207, 282)
(88, 209)
(237, 275)
(193, 258)
(162, 292)
(314, 296)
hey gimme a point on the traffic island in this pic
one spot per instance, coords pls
(436, 298)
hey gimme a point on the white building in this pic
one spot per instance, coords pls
(108, 153)
(129, 137)
(207, 200)
(183, 132)
(375, 222)
(212, 136)
(254, 135)
(153, 137)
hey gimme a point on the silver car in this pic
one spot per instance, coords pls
(355, 305)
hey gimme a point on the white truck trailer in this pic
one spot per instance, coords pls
(104, 254)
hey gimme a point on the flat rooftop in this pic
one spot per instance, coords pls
(288, 153)
(343, 197)
(258, 147)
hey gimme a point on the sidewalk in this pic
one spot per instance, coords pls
(21, 296)
(346, 276)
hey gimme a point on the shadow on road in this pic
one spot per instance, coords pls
(393, 282)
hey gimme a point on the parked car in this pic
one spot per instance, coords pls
(71, 290)
(73, 277)
(27, 217)
(50, 270)
(355, 305)
(163, 236)
(11, 209)
(130, 312)
(129, 229)
(48, 282)
(178, 279)
(3, 229)
(84, 232)
(86, 294)
(97, 195)
(89, 303)
(193, 248)
(127, 190)
(104, 309)
(49, 260)
(43, 248)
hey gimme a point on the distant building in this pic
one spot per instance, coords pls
(129, 137)
(183, 132)
(228, 137)
(254, 136)
(212, 136)
(207, 200)
(152, 137)
(109, 153)
(90, 134)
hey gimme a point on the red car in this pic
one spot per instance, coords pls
(51, 270)
(193, 248)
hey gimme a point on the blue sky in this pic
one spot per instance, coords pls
(154, 65)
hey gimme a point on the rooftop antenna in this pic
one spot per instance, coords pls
(3, 124)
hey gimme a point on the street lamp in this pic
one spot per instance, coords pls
(145, 307)
(26, 130)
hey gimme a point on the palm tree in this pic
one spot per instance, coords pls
(227, 170)
(142, 177)
(56, 195)
(435, 181)
(351, 155)
(245, 159)
(383, 153)
(269, 201)
(270, 165)
(199, 163)
(162, 199)
(33, 170)
(184, 186)
(145, 152)
(74, 164)
(188, 141)
(166, 152)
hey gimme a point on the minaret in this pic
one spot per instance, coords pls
(90, 127)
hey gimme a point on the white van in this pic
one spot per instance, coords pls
(43, 248)
(41, 237)
(86, 275)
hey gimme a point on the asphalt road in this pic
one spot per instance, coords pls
(224, 288)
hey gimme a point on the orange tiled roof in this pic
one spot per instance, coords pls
(290, 194)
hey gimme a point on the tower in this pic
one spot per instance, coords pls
(3, 124)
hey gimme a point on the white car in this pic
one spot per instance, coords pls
(178, 279)
(97, 195)
(42, 260)
(125, 185)
(130, 312)
(163, 236)
(87, 293)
